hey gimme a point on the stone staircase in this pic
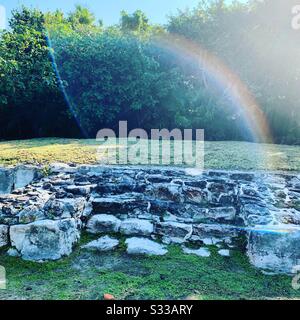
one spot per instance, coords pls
(42, 216)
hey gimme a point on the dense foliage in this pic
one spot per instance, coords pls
(68, 75)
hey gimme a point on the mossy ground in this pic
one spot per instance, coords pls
(218, 155)
(176, 276)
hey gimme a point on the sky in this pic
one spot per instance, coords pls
(107, 10)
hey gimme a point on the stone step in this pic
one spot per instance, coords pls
(119, 204)
(174, 204)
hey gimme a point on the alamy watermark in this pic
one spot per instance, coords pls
(296, 17)
(2, 278)
(2, 17)
(160, 147)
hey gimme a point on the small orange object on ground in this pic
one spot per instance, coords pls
(109, 297)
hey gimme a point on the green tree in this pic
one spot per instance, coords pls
(257, 42)
(134, 22)
(110, 77)
(81, 16)
(30, 95)
(122, 72)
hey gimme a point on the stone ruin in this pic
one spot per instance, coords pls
(44, 210)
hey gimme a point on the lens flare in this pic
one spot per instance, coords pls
(68, 99)
(251, 119)
(236, 91)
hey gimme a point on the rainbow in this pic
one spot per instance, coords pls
(224, 78)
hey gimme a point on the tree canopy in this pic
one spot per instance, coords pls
(69, 75)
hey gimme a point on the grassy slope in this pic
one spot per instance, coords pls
(86, 275)
(218, 155)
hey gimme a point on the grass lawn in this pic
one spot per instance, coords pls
(218, 155)
(86, 275)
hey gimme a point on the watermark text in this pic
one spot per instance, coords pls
(159, 147)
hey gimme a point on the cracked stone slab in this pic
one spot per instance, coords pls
(24, 175)
(143, 246)
(103, 223)
(224, 253)
(136, 227)
(202, 252)
(45, 240)
(102, 244)
(6, 180)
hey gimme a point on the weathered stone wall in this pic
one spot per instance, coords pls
(41, 217)
(17, 177)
